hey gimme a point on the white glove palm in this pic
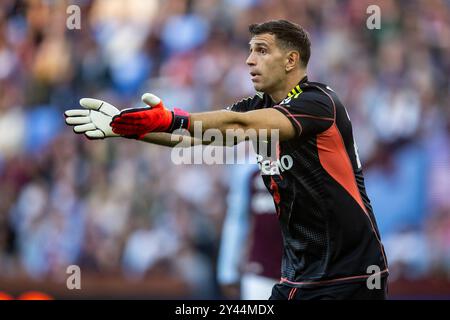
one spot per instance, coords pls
(94, 120)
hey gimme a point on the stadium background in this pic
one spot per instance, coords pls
(139, 226)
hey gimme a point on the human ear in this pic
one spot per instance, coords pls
(292, 60)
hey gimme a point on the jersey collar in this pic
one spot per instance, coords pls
(297, 90)
(268, 102)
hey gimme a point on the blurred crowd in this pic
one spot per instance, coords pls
(119, 206)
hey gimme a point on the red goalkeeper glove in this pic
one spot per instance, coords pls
(137, 122)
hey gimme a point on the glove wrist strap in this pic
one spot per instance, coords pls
(180, 120)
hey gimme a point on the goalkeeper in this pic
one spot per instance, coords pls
(331, 243)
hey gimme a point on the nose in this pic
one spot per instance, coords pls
(250, 60)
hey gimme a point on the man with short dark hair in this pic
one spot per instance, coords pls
(330, 235)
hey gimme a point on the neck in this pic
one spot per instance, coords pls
(279, 93)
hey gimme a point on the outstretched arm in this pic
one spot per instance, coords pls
(262, 119)
(156, 124)
(242, 125)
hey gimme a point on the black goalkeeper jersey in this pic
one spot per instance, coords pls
(329, 230)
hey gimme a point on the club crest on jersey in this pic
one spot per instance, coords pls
(286, 101)
(272, 168)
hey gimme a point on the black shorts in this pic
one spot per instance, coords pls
(344, 291)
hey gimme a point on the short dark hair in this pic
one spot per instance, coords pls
(289, 36)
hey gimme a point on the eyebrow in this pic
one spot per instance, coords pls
(262, 44)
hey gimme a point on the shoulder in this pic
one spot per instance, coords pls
(256, 101)
(314, 100)
(311, 92)
(313, 95)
